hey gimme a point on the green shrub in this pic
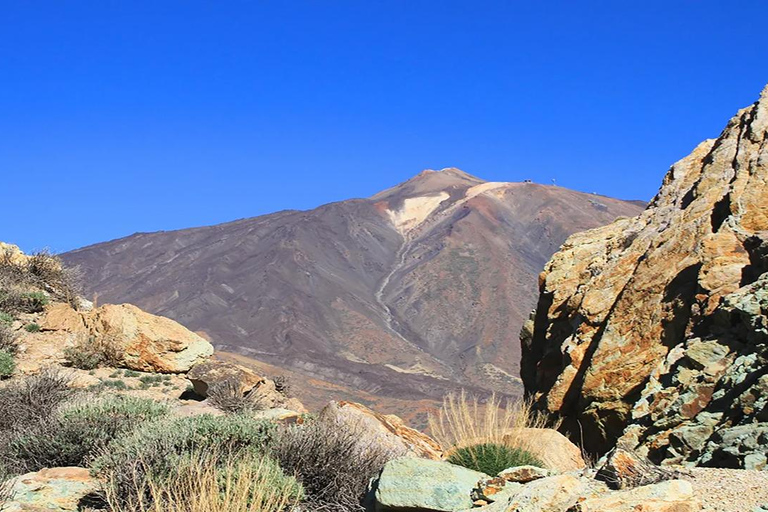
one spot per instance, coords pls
(492, 458)
(77, 430)
(33, 327)
(130, 373)
(155, 450)
(6, 318)
(7, 364)
(117, 384)
(332, 463)
(35, 301)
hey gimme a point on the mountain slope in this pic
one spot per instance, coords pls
(416, 290)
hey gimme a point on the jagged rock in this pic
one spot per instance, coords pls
(51, 489)
(552, 448)
(210, 373)
(653, 329)
(411, 484)
(386, 430)
(623, 469)
(494, 489)
(670, 496)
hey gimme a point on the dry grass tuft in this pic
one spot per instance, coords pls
(465, 421)
(90, 352)
(210, 482)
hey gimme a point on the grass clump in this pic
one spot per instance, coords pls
(33, 327)
(7, 364)
(487, 434)
(492, 458)
(91, 352)
(6, 318)
(76, 431)
(211, 482)
(332, 463)
(227, 396)
(150, 456)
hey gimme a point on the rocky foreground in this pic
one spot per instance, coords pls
(653, 330)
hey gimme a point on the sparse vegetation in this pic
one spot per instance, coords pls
(474, 431)
(147, 458)
(33, 327)
(7, 364)
(90, 352)
(117, 384)
(6, 318)
(228, 397)
(28, 284)
(331, 462)
(492, 458)
(208, 482)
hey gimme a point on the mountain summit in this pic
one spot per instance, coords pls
(406, 294)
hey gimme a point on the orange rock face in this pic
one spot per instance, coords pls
(616, 301)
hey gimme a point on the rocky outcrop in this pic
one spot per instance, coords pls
(148, 342)
(551, 447)
(654, 328)
(388, 430)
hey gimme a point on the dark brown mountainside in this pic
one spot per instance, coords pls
(405, 294)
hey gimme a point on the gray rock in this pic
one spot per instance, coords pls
(410, 484)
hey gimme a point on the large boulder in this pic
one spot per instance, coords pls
(407, 484)
(211, 373)
(388, 430)
(654, 328)
(150, 343)
(59, 489)
(552, 448)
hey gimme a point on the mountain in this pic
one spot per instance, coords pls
(406, 294)
(654, 330)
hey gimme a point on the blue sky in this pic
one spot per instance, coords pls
(118, 117)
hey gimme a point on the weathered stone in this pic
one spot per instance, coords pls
(650, 327)
(670, 496)
(51, 489)
(150, 343)
(385, 430)
(523, 474)
(552, 448)
(551, 494)
(409, 484)
(207, 374)
(495, 489)
(60, 316)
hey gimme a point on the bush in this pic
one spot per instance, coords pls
(33, 327)
(491, 458)
(6, 318)
(32, 399)
(283, 386)
(90, 352)
(152, 453)
(228, 397)
(7, 364)
(209, 481)
(331, 463)
(78, 430)
(8, 339)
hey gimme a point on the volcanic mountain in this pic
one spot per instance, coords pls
(407, 294)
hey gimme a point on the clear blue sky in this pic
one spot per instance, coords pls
(125, 116)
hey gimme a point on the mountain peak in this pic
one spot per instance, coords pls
(430, 182)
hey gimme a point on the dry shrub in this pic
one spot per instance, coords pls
(90, 352)
(8, 338)
(32, 399)
(465, 422)
(5, 486)
(331, 462)
(212, 482)
(227, 396)
(283, 385)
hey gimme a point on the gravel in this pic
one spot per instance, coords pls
(729, 490)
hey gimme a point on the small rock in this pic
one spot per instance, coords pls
(523, 474)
